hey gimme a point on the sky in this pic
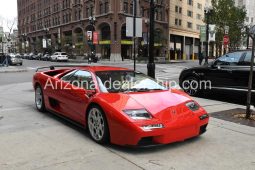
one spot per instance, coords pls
(8, 10)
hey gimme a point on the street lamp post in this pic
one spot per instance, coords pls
(92, 21)
(250, 83)
(248, 37)
(151, 64)
(207, 13)
(147, 36)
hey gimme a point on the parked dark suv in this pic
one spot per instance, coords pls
(228, 72)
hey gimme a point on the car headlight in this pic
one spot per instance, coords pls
(140, 114)
(193, 106)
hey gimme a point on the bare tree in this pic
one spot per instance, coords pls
(11, 23)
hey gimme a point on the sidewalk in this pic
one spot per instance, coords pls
(225, 145)
(12, 69)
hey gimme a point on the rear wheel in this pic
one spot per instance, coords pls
(191, 86)
(97, 125)
(39, 99)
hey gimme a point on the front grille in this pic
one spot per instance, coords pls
(146, 141)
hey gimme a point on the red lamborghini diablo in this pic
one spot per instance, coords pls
(119, 105)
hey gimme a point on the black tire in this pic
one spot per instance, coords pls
(190, 85)
(99, 134)
(39, 103)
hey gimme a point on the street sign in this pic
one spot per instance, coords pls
(89, 35)
(129, 27)
(202, 33)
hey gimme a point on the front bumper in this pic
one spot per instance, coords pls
(172, 132)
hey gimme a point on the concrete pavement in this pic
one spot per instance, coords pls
(32, 140)
(12, 69)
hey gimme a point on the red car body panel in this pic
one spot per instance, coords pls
(167, 108)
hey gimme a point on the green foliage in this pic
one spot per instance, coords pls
(225, 13)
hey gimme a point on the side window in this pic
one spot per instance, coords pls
(83, 79)
(247, 59)
(229, 59)
(68, 75)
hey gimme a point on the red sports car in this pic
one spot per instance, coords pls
(119, 105)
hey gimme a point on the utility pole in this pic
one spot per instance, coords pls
(151, 64)
(207, 36)
(134, 33)
(248, 38)
(248, 106)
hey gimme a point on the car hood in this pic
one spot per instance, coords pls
(157, 103)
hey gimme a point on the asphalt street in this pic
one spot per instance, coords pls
(163, 71)
(31, 140)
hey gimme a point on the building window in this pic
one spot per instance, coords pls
(198, 27)
(106, 5)
(178, 9)
(101, 8)
(199, 6)
(125, 7)
(87, 12)
(131, 9)
(190, 2)
(199, 16)
(190, 13)
(176, 21)
(189, 24)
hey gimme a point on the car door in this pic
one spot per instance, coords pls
(241, 74)
(220, 73)
(73, 94)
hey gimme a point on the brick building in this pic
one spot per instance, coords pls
(64, 23)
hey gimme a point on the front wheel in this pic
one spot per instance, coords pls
(39, 99)
(97, 125)
(191, 86)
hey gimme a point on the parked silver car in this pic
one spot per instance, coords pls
(14, 59)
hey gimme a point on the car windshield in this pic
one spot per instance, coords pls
(63, 53)
(126, 81)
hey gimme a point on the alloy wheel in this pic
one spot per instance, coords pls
(38, 98)
(96, 124)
